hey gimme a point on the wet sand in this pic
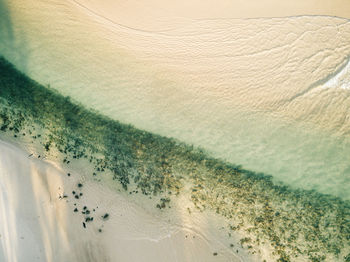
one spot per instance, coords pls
(160, 16)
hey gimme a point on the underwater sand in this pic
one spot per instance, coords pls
(259, 92)
(255, 217)
(265, 88)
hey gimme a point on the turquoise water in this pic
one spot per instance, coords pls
(297, 223)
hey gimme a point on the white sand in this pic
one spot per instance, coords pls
(36, 225)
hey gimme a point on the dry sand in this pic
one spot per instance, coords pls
(37, 225)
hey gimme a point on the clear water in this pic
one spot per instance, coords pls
(291, 222)
(274, 100)
(268, 94)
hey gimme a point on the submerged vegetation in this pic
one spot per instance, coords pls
(295, 223)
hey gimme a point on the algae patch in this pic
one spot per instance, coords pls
(294, 223)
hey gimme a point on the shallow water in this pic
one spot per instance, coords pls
(272, 221)
(268, 94)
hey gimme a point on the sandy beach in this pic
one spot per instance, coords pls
(39, 224)
(174, 131)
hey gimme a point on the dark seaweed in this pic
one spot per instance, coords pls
(295, 222)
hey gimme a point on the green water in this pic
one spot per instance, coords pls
(297, 223)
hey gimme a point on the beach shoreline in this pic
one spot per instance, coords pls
(239, 88)
(272, 221)
(39, 224)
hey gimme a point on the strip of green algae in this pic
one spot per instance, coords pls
(297, 224)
